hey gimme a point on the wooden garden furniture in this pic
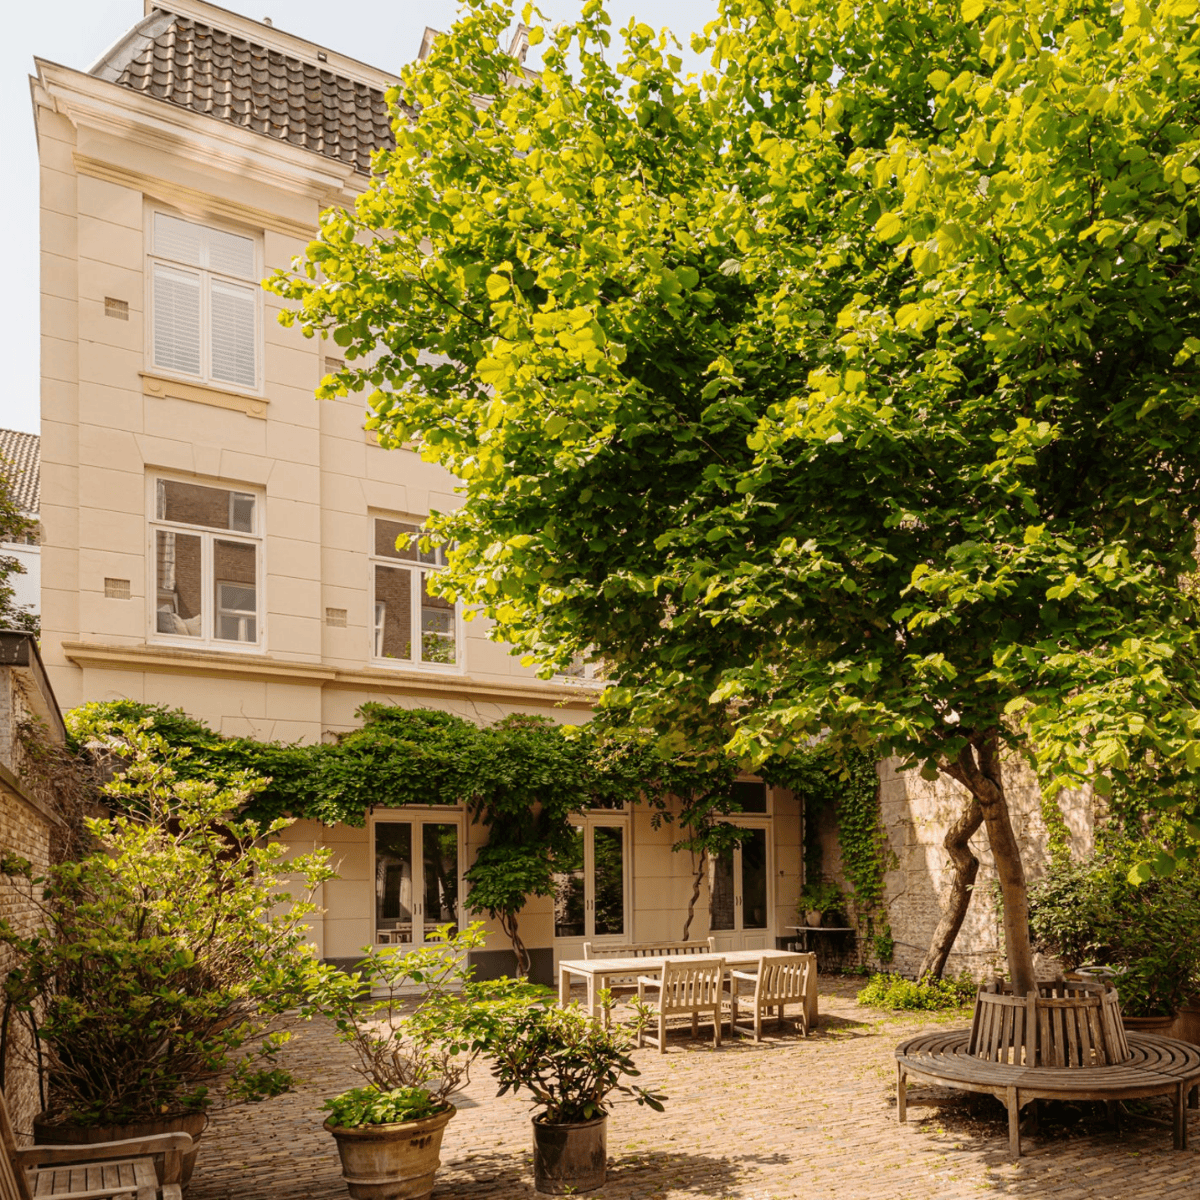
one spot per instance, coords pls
(1063, 1042)
(122, 1170)
(777, 983)
(598, 973)
(628, 983)
(686, 986)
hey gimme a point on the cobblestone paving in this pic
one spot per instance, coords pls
(790, 1118)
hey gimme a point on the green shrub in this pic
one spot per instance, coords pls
(926, 995)
(372, 1105)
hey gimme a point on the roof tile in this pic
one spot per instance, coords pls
(21, 464)
(222, 75)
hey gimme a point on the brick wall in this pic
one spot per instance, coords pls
(25, 830)
(30, 829)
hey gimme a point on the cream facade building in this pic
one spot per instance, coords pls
(215, 539)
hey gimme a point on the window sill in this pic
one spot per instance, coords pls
(165, 386)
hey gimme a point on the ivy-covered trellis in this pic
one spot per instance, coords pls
(523, 778)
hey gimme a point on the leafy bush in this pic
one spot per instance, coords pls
(925, 995)
(1091, 912)
(427, 1050)
(371, 1105)
(567, 1062)
(166, 949)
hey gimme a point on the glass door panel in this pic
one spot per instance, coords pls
(569, 890)
(608, 880)
(393, 882)
(721, 890)
(439, 854)
(754, 880)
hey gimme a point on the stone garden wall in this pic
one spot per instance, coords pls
(916, 814)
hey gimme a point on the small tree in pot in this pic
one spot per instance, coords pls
(570, 1065)
(412, 1052)
(161, 953)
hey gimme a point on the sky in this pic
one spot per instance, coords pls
(75, 33)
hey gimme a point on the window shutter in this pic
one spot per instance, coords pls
(233, 318)
(177, 320)
(179, 240)
(230, 254)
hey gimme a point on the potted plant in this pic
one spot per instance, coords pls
(820, 900)
(161, 953)
(1143, 933)
(410, 1051)
(570, 1065)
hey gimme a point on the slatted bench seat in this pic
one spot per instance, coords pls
(1157, 1066)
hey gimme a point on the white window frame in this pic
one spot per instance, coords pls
(208, 583)
(375, 631)
(206, 276)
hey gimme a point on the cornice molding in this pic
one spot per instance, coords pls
(193, 200)
(169, 660)
(161, 387)
(106, 107)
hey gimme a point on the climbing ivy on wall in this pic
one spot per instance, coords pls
(848, 787)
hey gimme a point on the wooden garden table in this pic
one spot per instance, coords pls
(598, 972)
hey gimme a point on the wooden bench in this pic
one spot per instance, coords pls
(102, 1171)
(628, 983)
(1156, 1066)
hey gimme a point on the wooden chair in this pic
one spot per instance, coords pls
(777, 982)
(687, 985)
(106, 1171)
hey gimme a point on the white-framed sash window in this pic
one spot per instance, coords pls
(205, 552)
(411, 626)
(205, 306)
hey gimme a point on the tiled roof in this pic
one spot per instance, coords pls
(22, 465)
(235, 79)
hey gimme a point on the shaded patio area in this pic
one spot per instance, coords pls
(811, 1118)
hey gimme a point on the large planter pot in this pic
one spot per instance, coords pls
(48, 1133)
(391, 1162)
(1187, 1024)
(1164, 1026)
(570, 1158)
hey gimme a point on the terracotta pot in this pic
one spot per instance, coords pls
(391, 1162)
(812, 920)
(47, 1133)
(570, 1158)
(1187, 1024)
(1163, 1026)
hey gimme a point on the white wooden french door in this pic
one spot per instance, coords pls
(739, 886)
(591, 886)
(417, 876)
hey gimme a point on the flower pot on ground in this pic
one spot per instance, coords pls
(412, 1054)
(571, 1157)
(388, 1159)
(161, 953)
(570, 1065)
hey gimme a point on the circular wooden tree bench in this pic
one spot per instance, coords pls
(1065, 1043)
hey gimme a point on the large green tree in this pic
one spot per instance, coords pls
(850, 387)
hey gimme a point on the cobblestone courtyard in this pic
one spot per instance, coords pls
(787, 1119)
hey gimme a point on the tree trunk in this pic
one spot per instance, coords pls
(958, 895)
(508, 922)
(978, 769)
(699, 879)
